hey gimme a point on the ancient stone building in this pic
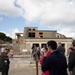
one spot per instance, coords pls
(32, 36)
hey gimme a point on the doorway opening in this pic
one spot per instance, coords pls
(43, 45)
(37, 45)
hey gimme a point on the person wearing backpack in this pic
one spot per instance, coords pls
(42, 57)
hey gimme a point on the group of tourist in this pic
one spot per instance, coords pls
(53, 60)
(51, 57)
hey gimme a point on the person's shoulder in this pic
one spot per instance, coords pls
(72, 53)
(51, 57)
(59, 48)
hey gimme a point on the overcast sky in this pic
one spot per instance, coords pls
(45, 14)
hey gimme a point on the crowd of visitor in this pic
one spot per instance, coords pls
(51, 57)
(53, 60)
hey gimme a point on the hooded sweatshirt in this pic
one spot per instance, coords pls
(55, 63)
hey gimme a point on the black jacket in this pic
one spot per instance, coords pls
(55, 63)
(4, 61)
(72, 62)
(61, 49)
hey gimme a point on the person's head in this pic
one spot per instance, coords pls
(73, 43)
(38, 48)
(59, 44)
(45, 49)
(6, 51)
(52, 45)
(44, 46)
(70, 49)
(42, 51)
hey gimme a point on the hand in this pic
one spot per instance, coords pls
(45, 54)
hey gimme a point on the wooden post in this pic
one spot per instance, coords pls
(36, 60)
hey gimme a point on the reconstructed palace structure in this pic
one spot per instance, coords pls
(32, 36)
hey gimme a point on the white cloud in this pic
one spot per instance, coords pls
(8, 8)
(49, 12)
(57, 13)
(12, 32)
(68, 32)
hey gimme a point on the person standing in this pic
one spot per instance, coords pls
(69, 51)
(38, 53)
(61, 48)
(71, 61)
(42, 57)
(5, 62)
(70, 68)
(56, 62)
(34, 48)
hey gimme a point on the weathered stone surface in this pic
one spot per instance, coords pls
(22, 66)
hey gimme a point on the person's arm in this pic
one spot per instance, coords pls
(45, 64)
(41, 60)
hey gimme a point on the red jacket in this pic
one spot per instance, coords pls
(48, 54)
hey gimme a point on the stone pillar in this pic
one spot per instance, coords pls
(25, 32)
(40, 44)
(66, 48)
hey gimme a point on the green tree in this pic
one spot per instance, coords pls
(5, 38)
(2, 36)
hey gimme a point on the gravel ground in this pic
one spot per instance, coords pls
(23, 66)
(26, 70)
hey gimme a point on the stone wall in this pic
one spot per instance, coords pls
(25, 34)
(49, 34)
(16, 48)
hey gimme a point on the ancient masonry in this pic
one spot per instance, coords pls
(32, 36)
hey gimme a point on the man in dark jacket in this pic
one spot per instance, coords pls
(56, 62)
(5, 62)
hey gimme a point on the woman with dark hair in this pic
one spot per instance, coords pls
(45, 50)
